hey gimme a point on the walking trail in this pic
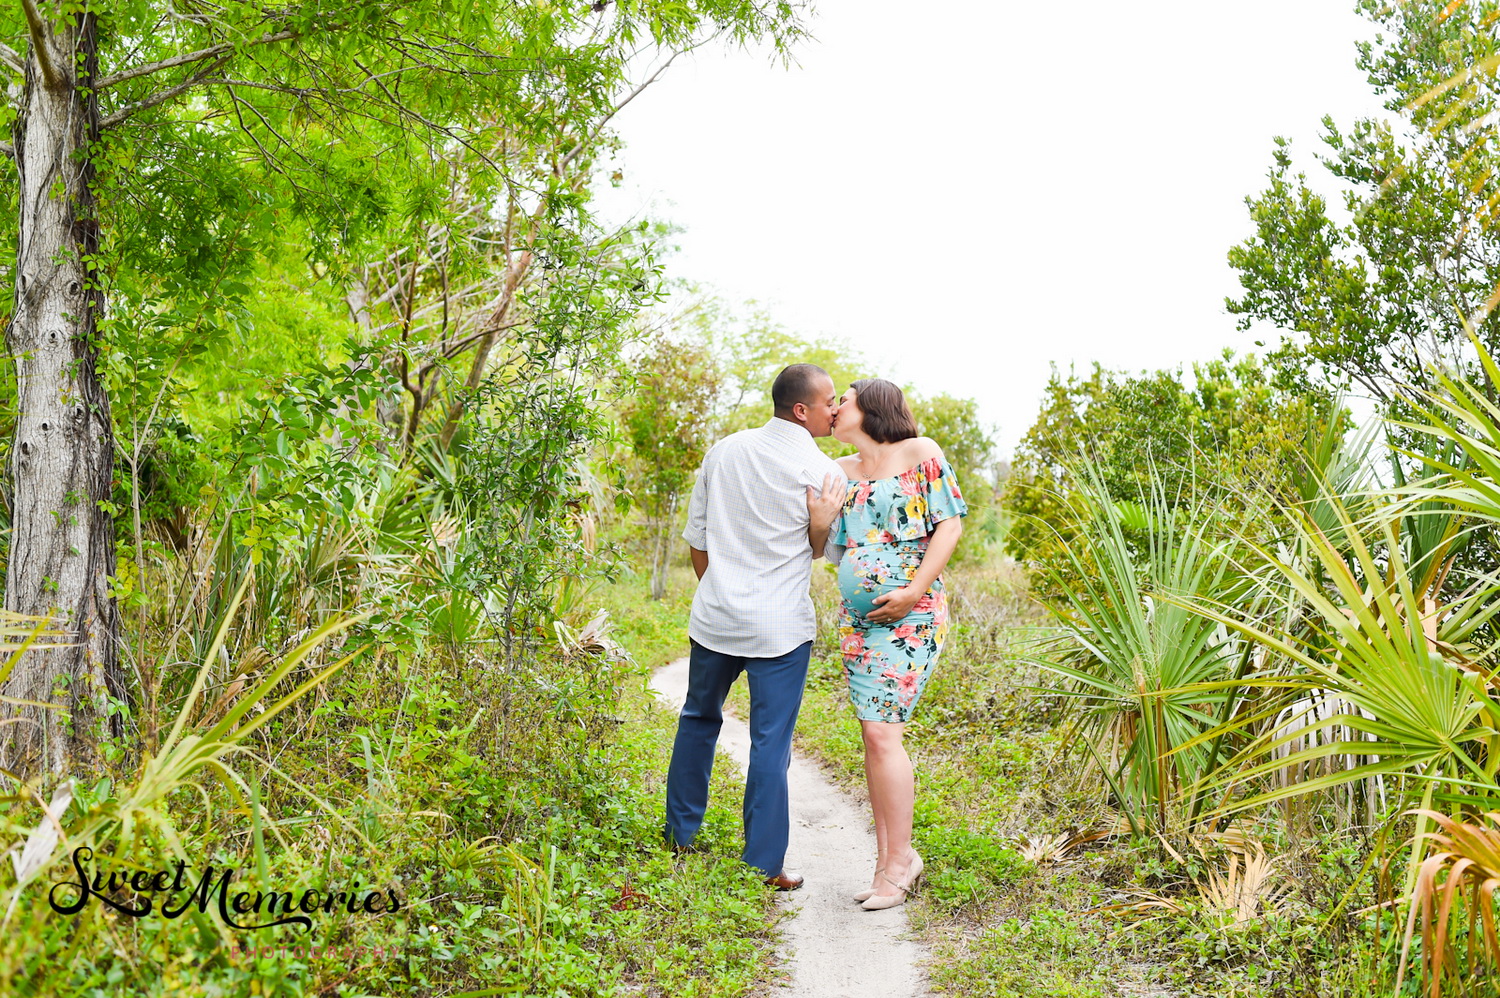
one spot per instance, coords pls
(831, 947)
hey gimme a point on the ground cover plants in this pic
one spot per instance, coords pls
(1349, 690)
(511, 813)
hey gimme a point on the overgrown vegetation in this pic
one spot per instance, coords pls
(380, 522)
(354, 350)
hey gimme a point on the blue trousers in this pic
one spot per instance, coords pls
(775, 697)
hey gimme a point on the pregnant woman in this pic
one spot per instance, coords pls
(899, 525)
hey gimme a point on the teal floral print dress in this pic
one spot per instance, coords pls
(885, 528)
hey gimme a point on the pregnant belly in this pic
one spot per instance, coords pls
(868, 572)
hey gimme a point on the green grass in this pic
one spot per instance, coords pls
(1047, 953)
(654, 631)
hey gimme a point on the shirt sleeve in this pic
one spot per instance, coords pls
(944, 499)
(696, 531)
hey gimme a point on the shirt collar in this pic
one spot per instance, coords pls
(790, 430)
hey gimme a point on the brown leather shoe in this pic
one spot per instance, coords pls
(785, 882)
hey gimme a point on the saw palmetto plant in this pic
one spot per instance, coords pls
(1143, 670)
(1410, 710)
(1456, 887)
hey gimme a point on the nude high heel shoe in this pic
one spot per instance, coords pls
(868, 892)
(878, 902)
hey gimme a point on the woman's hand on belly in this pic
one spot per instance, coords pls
(894, 605)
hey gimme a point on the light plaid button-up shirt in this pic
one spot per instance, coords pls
(749, 512)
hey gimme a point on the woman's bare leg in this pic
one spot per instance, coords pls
(888, 774)
(872, 785)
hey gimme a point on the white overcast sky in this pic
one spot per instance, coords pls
(968, 191)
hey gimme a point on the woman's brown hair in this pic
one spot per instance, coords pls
(887, 417)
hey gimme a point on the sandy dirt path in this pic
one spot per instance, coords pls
(832, 948)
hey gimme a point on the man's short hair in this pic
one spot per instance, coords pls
(793, 385)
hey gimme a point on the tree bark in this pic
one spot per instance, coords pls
(515, 270)
(661, 548)
(62, 460)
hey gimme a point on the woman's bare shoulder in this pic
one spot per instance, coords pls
(848, 462)
(919, 449)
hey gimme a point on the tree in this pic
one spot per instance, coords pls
(1035, 492)
(954, 423)
(145, 133)
(669, 420)
(753, 348)
(1377, 298)
(1232, 434)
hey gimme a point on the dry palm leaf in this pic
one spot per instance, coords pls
(1045, 850)
(1246, 888)
(1148, 901)
(35, 854)
(1470, 854)
(1243, 893)
(445, 531)
(591, 639)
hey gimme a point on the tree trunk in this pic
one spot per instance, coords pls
(661, 549)
(515, 270)
(62, 541)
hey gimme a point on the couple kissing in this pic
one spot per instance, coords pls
(766, 502)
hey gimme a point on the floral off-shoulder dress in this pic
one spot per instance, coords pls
(885, 528)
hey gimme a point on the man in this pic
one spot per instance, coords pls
(755, 519)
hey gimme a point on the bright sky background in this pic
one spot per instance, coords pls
(970, 191)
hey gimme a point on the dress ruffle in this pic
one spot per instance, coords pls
(903, 507)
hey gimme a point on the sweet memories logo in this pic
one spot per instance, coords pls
(167, 892)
